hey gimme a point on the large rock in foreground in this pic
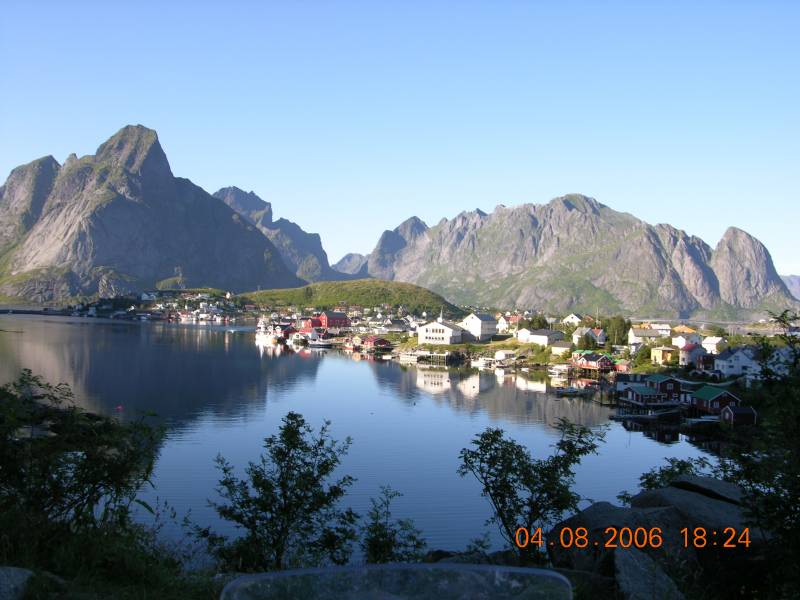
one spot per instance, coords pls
(13, 582)
(689, 502)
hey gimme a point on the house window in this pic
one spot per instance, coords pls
(670, 386)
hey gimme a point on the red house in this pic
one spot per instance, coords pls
(308, 325)
(669, 387)
(711, 400)
(373, 342)
(332, 319)
(593, 361)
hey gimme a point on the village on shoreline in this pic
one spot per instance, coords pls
(651, 371)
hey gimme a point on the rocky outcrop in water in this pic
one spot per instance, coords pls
(119, 221)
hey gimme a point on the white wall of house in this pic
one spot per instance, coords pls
(685, 338)
(439, 333)
(479, 329)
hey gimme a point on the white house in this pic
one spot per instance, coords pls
(638, 336)
(440, 332)
(745, 361)
(502, 325)
(540, 337)
(663, 329)
(572, 319)
(501, 355)
(690, 354)
(558, 348)
(481, 326)
(597, 334)
(713, 343)
(685, 338)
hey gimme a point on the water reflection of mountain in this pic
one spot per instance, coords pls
(178, 372)
(514, 397)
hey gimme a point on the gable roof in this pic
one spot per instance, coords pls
(447, 324)
(643, 390)
(710, 392)
(332, 314)
(482, 316)
(641, 332)
(658, 378)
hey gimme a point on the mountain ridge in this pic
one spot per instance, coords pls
(302, 252)
(575, 253)
(118, 221)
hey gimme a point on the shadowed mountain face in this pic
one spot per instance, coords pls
(793, 283)
(577, 254)
(119, 221)
(302, 252)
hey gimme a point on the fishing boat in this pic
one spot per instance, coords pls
(568, 391)
(320, 343)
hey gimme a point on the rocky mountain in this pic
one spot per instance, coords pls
(353, 264)
(793, 284)
(119, 221)
(577, 254)
(301, 251)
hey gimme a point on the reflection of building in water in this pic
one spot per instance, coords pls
(529, 385)
(473, 385)
(434, 381)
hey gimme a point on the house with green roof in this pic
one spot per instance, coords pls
(666, 385)
(642, 396)
(711, 399)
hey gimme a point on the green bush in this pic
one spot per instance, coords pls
(286, 510)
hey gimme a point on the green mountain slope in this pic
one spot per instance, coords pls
(362, 292)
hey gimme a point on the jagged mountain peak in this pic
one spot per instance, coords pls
(118, 222)
(136, 149)
(577, 202)
(574, 253)
(248, 204)
(411, 228)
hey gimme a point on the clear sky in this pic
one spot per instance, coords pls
(352, 116)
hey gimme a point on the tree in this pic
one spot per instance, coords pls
(766, 462)
(617, 329)
(286, 508)
(385, 540)
(659, 477)
(587, 342)
(68, 485)
(523, 491)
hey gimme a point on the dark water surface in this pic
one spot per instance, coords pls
(220, 394)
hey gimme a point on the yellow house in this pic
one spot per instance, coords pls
(662, 354)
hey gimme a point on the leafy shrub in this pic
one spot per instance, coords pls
(523, 491)
(385, 540)
(286, 510)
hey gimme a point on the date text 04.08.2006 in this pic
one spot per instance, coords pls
(637, 537)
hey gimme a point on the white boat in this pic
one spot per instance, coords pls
(320, 343)
(298, 339)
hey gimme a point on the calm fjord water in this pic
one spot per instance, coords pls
(220, 394)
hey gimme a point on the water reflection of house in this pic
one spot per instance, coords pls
(472, 386)
(529, 385)
(434, 382)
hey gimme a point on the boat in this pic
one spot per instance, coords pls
(298, 339)
(569, 391)
(320, 343)
(558, 371)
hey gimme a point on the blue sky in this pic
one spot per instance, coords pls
(352, 116)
